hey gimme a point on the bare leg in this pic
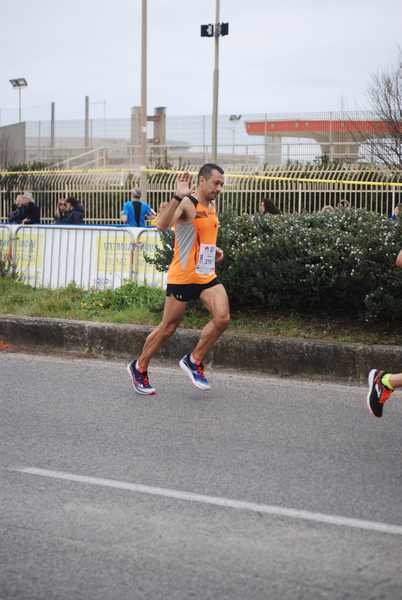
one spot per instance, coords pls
(395, 380)
(172, 315)
(217, 302)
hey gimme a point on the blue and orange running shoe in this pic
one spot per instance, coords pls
(195, 371)
(140, 380)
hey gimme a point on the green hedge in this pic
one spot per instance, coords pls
(339, 262)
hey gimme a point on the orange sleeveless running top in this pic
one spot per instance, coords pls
(194, 248)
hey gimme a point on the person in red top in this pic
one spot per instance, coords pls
(191, 275)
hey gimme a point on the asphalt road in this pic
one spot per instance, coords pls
(260, 489)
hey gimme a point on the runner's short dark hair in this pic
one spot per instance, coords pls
(206, 171)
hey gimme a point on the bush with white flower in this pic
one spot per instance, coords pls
(338, 262)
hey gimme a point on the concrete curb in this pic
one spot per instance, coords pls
(287, 357)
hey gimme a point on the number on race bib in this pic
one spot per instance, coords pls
(206, 260)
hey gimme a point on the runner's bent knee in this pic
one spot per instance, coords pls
(168, 329)
(221, 321)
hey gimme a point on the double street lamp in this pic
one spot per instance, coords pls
(19, 83)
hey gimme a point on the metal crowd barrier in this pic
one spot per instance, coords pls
(5, 241)
(52, 256)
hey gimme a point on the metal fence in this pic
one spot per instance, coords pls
(90, 257)
(293, 189)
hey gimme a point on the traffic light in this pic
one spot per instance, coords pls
(207, 30)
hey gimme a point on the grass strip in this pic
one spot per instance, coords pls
(132, 304)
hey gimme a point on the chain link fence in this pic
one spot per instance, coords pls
(254, 140)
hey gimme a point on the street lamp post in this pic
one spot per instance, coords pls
(215, 31)
(143, 116)
(215, 86)
(19, 83)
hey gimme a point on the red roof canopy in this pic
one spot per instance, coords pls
(310, 127)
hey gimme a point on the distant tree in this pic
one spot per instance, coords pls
(385, 93)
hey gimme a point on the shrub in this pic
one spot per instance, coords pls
(163, 253)
(8, 268)
(334, 262)
(325, 261)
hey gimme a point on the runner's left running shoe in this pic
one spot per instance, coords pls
(140, 380)
(195, 372)
(378, 393)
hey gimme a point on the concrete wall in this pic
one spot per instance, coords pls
(12, 145)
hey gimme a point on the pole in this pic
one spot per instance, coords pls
(52, 128)
(86, 122)
(19, 103)
(104, 122)
(143, 132)
(331, 145)
(215, 87)
(203, 138)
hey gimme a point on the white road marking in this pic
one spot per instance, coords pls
(278, 511)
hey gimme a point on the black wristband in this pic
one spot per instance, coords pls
(176, 197)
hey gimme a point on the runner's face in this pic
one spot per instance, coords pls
(212, 186)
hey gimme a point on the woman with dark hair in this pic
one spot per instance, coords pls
(267, 206)
(74, 214)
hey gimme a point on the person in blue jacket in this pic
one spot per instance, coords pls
(136, 211)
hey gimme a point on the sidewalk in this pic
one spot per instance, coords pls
(281, 356)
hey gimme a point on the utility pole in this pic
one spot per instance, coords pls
(215, 31)
(143, 123)
(216, 86)
(52, 123)
(86, 142)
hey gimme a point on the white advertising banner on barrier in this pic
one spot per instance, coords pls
(54, 256)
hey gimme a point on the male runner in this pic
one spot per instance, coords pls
(191, 275)
(382, 383)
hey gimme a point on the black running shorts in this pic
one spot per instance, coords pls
(189, 291)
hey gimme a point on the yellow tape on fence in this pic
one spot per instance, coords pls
(287, 178)
(126, 171)
(72, 171)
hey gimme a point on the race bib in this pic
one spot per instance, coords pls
(206, 260)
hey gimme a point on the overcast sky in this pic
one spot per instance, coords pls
(283, 56)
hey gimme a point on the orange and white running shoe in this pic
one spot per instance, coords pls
(378, 393)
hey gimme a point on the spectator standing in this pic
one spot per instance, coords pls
(61, 215)
(74, 214)
(268, 206)
(136, 211)
(25, 212)
(396, 213)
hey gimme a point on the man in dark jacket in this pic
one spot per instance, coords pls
(26, 212)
